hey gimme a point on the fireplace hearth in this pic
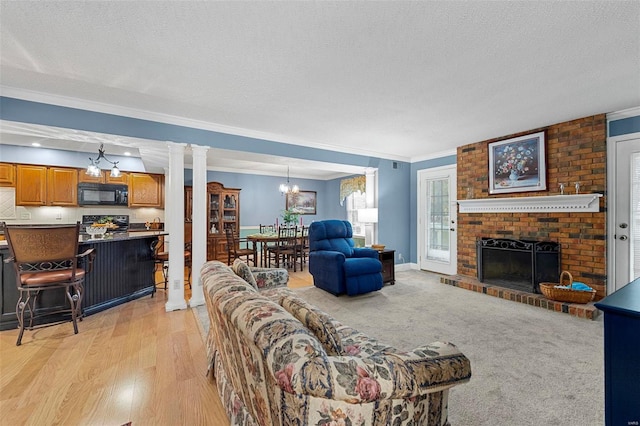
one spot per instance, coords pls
(517, 264)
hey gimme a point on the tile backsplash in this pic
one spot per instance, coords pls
(7, 203)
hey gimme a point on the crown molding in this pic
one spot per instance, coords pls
(625, 113)
(65, 101)
(434, 156)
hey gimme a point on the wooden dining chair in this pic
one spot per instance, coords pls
(46, 258)
(267, 229)
(302, 252)
(285, 250)
(238, 247)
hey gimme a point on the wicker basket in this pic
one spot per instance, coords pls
(550, 291)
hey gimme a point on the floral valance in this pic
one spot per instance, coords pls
(351, 185)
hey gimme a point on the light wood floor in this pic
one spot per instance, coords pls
(134, 362)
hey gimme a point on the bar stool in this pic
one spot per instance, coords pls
(161, 258)
(46, 258)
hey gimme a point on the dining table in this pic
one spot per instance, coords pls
(263, 239)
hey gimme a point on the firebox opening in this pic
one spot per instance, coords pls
(517, 264)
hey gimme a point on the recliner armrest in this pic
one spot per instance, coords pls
(365, 252)
(329, 256)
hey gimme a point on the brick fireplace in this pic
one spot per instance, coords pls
(576, 152)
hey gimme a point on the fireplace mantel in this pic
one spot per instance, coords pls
(544, 204)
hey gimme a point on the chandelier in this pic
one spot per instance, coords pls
(286, 188)
(94, 166)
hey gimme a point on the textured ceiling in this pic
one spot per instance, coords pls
(398, 80)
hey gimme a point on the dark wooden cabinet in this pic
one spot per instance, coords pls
(388, 266)
(223, 212)
(622, 355)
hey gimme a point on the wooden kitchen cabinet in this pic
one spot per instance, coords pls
(7, 174)
(105, 177)
(62, 186)
(46, 186)
(146, 190)
(31, 185)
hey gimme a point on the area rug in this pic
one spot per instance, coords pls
(530, 366)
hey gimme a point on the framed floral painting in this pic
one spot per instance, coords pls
(518, 164)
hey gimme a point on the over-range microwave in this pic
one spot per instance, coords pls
(102, 194)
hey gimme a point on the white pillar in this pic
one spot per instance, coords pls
(199, 224)
(371, 200)
(174, 207)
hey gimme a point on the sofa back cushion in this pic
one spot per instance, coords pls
(316, 321)
(333, 235)
(243, 270)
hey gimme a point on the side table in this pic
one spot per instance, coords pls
(388, 266)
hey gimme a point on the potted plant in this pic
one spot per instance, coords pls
(289, 217)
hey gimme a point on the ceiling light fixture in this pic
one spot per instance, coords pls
(94, 169)
(286, 188)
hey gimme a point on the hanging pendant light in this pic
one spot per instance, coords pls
(286, 188)
(94, 166)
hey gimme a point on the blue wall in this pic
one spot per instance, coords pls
(624, 126)
(260, 200)
(58, 157)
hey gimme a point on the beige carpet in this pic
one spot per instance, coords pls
(530, 366)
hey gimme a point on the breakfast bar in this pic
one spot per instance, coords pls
(123, 270)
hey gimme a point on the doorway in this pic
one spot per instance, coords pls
(437, 220)
(624, 209)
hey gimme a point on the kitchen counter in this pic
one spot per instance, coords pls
(86, 238)
(123, 270)
(131, 235)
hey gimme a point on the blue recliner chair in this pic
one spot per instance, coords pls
(336, 265)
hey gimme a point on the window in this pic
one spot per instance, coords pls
(356, 200)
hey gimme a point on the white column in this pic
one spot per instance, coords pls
(199, 224)
(174, 208)
(371, 196)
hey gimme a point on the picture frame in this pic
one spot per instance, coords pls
(301, 202)
(518, 164)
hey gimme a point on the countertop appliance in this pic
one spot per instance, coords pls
(120, 221)
(103, 194)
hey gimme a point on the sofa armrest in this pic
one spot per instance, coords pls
(270, 277)
(426, 369)
(365, 252)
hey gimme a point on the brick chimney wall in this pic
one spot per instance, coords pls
(576, 152)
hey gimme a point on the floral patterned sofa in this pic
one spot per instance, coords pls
(277, 360)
